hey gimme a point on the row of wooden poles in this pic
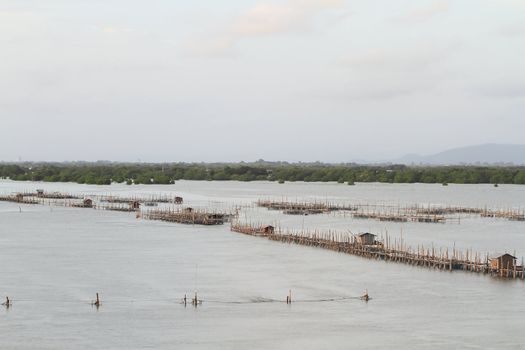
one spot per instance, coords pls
(188, 216)
(195, 301)
(36, 197)
(429, 214)
(75, 203)
(157, 198)
(388, 250)
(115, 203)
(385, 212)
(126, 204)
(328, 240)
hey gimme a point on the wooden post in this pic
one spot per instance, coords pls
(522, 269)
(365, 296)
(97, 302)
(195, 301)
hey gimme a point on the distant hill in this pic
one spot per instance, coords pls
(480, 154)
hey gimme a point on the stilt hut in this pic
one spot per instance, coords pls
(268, 230)
(502, 261)
(366, 238)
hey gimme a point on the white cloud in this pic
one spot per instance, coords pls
(388, 73)
(512, 30)
(111, 29)
(393, 60)
(502, 88)
(263, 20)
(423, 14)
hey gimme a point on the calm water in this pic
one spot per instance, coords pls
(54, 260)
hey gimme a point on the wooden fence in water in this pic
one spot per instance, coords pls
(387, 212)
(95, 201)
(188, 216)
(388, 250)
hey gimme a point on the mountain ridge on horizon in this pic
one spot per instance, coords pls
(488, 153)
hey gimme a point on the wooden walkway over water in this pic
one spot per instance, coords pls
(397, 251)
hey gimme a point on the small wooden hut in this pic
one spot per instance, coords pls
(88, 203)
(178, 200)
(134, 205)
(366, 238)
(268, 230)
(502, 261)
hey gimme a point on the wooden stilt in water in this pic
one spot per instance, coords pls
(522, 270)
(7, 303)
(97, 302)
(195, 301)
(365, 296)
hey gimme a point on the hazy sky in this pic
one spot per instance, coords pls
(208, 80)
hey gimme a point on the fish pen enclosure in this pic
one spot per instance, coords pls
(401, 217)
(125, 207)
(18, 198)
(86, 203)
(294, 208)
(253, 230)
(188, 216)
(513, 215)
(394, 213)
(367, 245)
(303, 208)
(141, 199)
(49, 195)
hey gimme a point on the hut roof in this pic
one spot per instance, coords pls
(500, 255)
(365, 234)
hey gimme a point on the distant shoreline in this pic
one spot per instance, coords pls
(168, 173)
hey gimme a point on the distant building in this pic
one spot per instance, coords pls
(502, 261)
(366, 238)
(268, 230)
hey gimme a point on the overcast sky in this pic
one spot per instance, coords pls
(208, 80)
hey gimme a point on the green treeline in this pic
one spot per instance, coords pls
(103, 174)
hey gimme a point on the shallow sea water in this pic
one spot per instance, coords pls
(54, 259)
